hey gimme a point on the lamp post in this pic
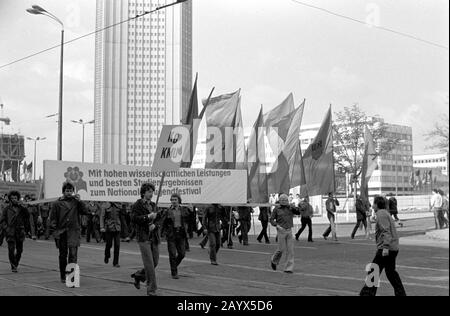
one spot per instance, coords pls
(83, 124)
(34, 163)
(37, 10)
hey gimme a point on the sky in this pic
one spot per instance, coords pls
(268, 48)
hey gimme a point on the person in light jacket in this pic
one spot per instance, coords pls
(387, 242)
(110, 225)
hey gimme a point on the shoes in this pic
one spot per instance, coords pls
(311, 240)
(63, 281)
(137, 283)
(274, 266)
(14, 269)
(296, 237)
(259, 240)
(214, 263)
(151, 293)
(267, 242)
(240, 239)
(325, 237)
(245, 243)
(202, 245)
(116, 266)
(352, 237)
(290, 272)
(106, 260)
(176, 277)
(335, 239)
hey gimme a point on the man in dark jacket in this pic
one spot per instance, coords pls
(264, 215)
(44, 213)
(110, 224)
(93, 221)
(307, 213)
(211, 224)
(15, 220)
(245, 219)
(361, 215)
(33, 210)
(65, 226)
(175, 223)
(147, 220)
(227, 224)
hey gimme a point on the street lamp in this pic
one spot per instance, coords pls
(34, 163)
(83, 124)
(37, 10)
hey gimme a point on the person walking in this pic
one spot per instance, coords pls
(110, 225)
(245, 219)
(393, 208)
(65, 226)
(44, 213)
(282, 219)
(227, 225)
(436, 208)
(264, 216)
(387, 242)
(361, 216)
(93, 221)
(175, 223)
(211, 223)
(330, 205)
(146, 218)
(307, 213)
(15, 220)
(444, 208)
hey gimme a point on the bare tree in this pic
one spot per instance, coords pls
(348, 127)
(439, 134)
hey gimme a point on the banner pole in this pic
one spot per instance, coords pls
(229, 226)
(160, 187)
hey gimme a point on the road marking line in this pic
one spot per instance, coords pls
(440, 258)
(422, 268)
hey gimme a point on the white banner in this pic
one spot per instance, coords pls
(118, 183)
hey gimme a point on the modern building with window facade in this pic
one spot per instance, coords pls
(143, 77)
(439, 161)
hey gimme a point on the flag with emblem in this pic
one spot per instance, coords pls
(318, 162)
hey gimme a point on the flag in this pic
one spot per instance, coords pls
(239, 141)
(221, 116)
(369, 163)
(190, 118)
(277, 124)
(285, 173)
(319, 163)
(256, 157)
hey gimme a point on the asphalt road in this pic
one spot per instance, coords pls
(321, 268)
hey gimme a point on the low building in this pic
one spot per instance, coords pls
(438, 160)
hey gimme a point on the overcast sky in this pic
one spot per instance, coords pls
(268, 48)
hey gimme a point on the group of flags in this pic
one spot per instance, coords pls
(13, 171)
(279, 129)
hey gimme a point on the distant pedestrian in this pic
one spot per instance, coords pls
(93, 221)
(44, 213)
(445, 205)
(307, 213)
(65, 226)
(110, 225)
(330, 206)
(282, 219)
(387, 249)
(361, 216)
(211, 223)
(245, 220)
(436, 208)
(393, 208)
(264, 216)
(15, 220)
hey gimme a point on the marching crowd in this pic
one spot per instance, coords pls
(68, 219)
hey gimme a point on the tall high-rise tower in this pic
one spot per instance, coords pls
(143, 77)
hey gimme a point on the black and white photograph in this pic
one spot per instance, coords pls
(224, 154)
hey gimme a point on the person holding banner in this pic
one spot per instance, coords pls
(65, 226)
(175, 222)
(211, 223)
(282, 219)
(146, 218)
(15, 221)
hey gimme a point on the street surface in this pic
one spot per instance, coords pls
(321, 268)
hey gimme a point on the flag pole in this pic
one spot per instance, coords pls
(160, 187)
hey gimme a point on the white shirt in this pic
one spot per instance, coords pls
(436, 200)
